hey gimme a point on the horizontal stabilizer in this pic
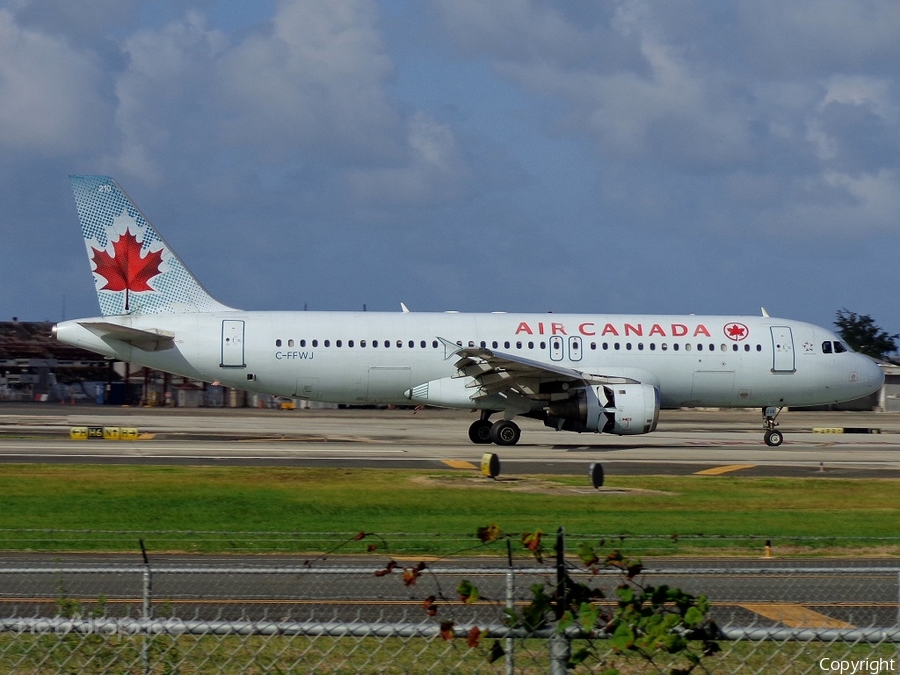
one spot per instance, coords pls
(145, 340)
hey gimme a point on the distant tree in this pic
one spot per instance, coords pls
(862, 334)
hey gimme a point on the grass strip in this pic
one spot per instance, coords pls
(839, 513)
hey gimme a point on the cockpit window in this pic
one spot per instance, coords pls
(833, 347)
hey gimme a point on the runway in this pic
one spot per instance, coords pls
(687, 442)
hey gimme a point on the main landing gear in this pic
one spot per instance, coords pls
(772, 437)
(501, 432)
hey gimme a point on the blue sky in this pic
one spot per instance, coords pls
(633, 156)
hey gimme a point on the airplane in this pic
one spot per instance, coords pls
(601, 373)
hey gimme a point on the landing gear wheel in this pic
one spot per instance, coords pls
(505, 432)
(772, 437)
(480, 431)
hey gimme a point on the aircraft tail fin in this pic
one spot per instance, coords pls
(135, 271)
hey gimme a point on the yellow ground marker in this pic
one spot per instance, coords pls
(719, 470)
(795, 616)
(459, 464)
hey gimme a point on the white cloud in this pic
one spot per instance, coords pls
(308, 89)
(315, 81)
(163, 109)
(430, 171)
(48, 93)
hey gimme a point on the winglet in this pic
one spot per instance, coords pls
(135, 271)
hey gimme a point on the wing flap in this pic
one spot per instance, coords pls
(494, 372)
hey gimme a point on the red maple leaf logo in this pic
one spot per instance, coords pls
(736, 331)
(125, 269)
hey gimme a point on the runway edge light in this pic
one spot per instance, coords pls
(490, 465)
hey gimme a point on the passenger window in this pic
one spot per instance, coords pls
(327, 343)
(628, 345)
(699, 347)
(652, 346)
(374, 343)
(315, 343)
(530, 345)
(434, 343)
(337, 343)
(506, 345)
(350, 343)
(423, 344)
(519, 345)
(675, 347)
(616, 346)
(826, 347)
(759, 348)
(640, 346)
(746, 348)
(277, 343)
(290, 343)
(605, 346)
(494, 344)
(302, 343)
(687, 347)
(412, 344)
(387, 343)
(399, 344)
(664, 346)
(543, 345)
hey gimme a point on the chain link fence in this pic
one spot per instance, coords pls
(247, 616)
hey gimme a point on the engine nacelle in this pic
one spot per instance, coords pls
(622, 409)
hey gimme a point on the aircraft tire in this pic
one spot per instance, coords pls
(505, 432)
(773, 438)
(480, 432)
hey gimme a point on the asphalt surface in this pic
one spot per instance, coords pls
(687, 442)
(761, 592)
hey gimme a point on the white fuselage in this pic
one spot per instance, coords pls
(373, 357)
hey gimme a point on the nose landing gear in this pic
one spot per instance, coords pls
(772, 437)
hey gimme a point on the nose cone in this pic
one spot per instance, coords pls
(870, 374)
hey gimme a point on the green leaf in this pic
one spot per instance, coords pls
(588, 615)
(467, 592)
(693, 617)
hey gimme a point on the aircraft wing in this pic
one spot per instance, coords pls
(145, 340)
(494, 372)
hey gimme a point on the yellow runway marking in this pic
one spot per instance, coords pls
(458, 464)
(795, 616)
(719, 470)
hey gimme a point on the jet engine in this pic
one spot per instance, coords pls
(622, 409)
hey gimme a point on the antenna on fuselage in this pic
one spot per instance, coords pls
(404, 308)
(764, 312)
